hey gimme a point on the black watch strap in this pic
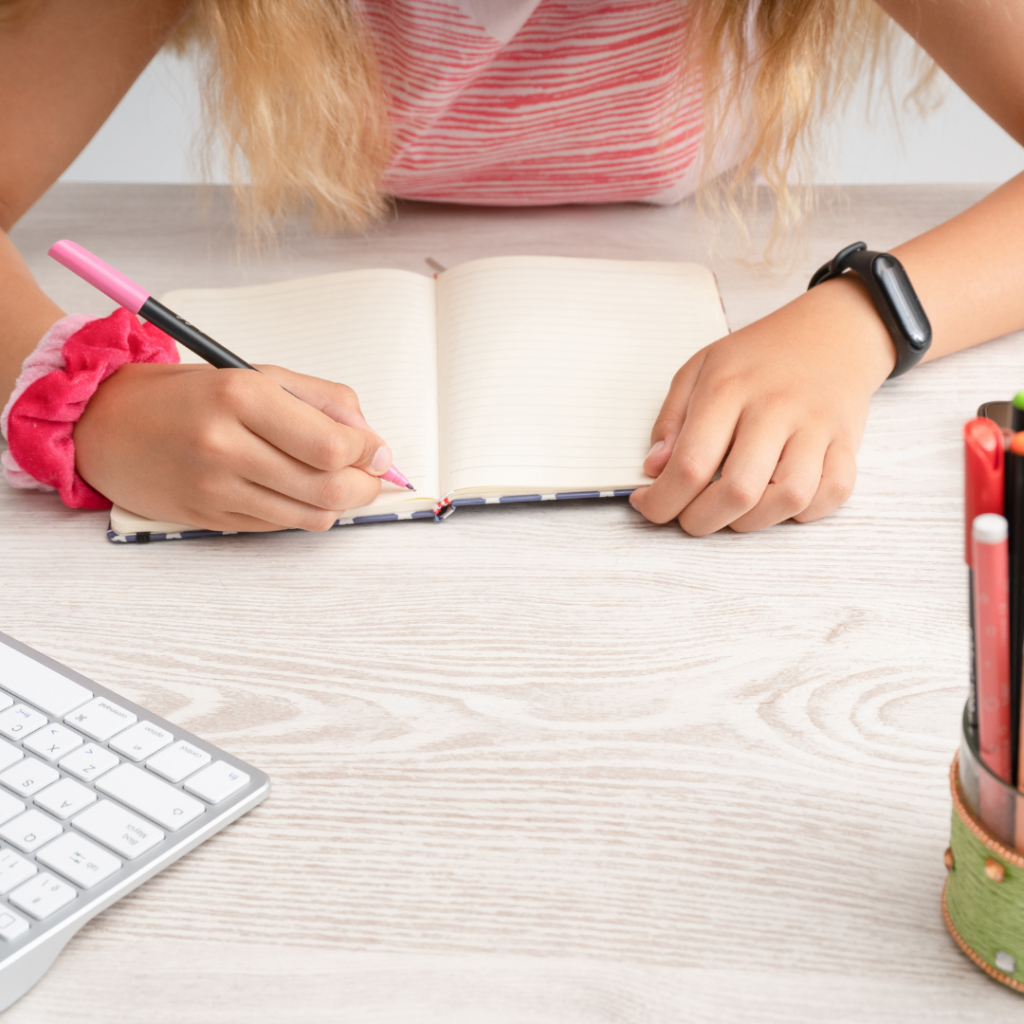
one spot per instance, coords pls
(893, 295)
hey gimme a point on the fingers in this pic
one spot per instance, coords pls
(338, 401)
(698, 452)
(322, 490)
(767, 478)
(744, 478)
(296, 428)
(838, 475)
(811, 479)
(298, 489)
(793, 485)
(667, 426)
(269, 509)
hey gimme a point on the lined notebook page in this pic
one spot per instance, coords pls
(370, 329)
(552, 370)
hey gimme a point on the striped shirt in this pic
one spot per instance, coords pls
(534, 102)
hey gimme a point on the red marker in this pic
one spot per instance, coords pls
(983, 473)
(983, 492)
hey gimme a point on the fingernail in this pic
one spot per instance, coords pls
(381, 460)
(656, 447)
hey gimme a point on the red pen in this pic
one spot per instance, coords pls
(983, 492)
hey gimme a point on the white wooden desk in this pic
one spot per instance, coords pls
(545, 764)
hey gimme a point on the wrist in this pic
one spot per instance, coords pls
(846, 318)
(46, 357)
(56, 384)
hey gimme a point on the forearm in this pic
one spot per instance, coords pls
(25, 314)
(968, 271)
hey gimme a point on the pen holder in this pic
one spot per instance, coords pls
(983, 898)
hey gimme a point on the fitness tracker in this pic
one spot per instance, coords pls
(894, 298)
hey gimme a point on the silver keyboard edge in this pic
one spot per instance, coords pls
(58, 930)
(81, 915)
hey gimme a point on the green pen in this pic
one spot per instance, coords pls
(1018, 412)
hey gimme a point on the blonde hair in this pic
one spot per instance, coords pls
(292, 100)
(293, 95)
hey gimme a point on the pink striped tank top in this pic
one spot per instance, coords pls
(535, 102)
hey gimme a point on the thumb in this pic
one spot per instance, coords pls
(669, 423)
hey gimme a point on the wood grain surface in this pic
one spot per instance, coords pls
(545, 763)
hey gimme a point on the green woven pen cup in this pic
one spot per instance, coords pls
(983, 898)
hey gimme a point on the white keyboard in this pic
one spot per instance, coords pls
(96, 796)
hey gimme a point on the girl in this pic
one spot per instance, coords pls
(332, 105)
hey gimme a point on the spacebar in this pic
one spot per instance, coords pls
(144, 793)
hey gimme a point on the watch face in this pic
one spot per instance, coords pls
(902, 301)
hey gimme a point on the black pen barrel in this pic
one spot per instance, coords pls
(191, 337)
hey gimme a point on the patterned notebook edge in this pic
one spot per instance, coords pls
(445, 507)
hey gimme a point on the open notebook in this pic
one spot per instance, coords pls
(506, 379)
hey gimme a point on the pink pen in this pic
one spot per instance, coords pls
(992, 657)
(125, 292)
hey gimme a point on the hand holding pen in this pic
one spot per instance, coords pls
(224, 451)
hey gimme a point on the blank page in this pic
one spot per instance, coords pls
(370, 329)
(552, 370)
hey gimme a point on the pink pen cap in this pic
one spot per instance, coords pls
(103, 277)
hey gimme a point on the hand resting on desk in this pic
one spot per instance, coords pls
(783, 402)
(229, 449)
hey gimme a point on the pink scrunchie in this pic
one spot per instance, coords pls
(41, 415)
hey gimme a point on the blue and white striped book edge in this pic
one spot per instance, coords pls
(444, 509)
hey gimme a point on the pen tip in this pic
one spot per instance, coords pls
(410, 486)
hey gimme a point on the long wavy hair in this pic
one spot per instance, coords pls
(293, 98)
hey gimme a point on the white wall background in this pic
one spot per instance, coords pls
(148, 139)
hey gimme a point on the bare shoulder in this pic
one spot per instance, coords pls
(64, 66)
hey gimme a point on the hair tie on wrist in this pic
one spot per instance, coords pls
(74, 357)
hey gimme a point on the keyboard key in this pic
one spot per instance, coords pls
(125, 833)
(28, 776)
(142, 740)
(89, 762)
(215, 783)
(9, 806)
(101, 719)
(20, 720)
(9, 753)
(146, 794)
(14, 869)
(65, 798)
(39, 685)
(30, 830)
(5, 701)
(53, 741)
(12, 925)
(178, 762)
(42, 896)
(78, 859)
